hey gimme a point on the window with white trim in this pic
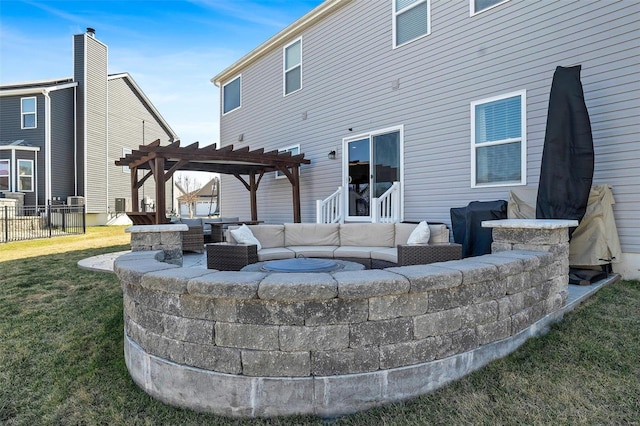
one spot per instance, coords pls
(5, 175)
(294, 150)
(292, 67)
(231, 95)
(411, 20)
(25, 175)
(498, 140)
(125, 152)
(28, 113)
(477, 6)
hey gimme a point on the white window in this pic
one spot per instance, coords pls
(125, 152)
(294, 150)
(477, 6)
(5, 175)
(499, 141)
(28, 113)
(293, 67)
(411, 20)
(25, 175)
(231, 95)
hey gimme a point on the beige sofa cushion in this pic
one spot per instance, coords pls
(270, 236)
(313, 251)
(354, 251)
(275, 253)
(311, 234)
(388, 254)
(367, 234)
(439, 232)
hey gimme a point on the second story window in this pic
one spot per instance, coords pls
(231, 95)
(5, 175)
(28, 113)
(410, 20)
(293, 67)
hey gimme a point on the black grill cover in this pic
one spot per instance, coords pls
(466, 224)
(566, 172)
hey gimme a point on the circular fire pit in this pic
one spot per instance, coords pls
(303, 265)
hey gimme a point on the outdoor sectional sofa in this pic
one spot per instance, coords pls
(375, 245)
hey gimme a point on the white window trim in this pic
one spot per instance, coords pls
(125, 151)
(279, 175)
(395, 25)
(472, 8)
(18, 176)
(285, 70)
(239, 76)
(8, 162)
(35, 113)
(522, 139)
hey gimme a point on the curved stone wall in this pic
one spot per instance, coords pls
(252, 344)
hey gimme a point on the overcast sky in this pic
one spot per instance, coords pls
(171, 48)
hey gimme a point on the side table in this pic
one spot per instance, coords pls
(421, 254)
(230, 257)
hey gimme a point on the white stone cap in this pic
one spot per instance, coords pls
(180, 227)
(530, 223)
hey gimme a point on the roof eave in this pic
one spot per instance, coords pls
(320, 12)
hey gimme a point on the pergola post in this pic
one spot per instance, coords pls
(160, 190)
(253, 190)
(135, 201)
(295, 189)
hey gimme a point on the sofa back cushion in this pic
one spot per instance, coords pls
(270, 236)
(439, 232)
(311, 234)
(191, 222)
(367, 234)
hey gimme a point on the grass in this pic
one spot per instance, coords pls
(61, 362)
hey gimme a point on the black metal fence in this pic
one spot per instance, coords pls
(30, 222)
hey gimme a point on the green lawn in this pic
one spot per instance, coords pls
(61, 361)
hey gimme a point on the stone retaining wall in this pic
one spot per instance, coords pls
(262, 345)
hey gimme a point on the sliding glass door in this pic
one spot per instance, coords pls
(373, 163)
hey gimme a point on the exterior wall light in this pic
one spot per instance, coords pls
(332, 155)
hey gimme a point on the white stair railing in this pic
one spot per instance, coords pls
(331, 209)
(386, 208)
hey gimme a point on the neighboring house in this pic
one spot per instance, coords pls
(449, 98)
(59, 138)
(202, 202)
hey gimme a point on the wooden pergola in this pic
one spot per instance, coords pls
(161, 162)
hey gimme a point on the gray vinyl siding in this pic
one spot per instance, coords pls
(62, 143)
(79, 77)
(127, 111)
(92, 99)
(349, 67)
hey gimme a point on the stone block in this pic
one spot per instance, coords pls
(482, 313)
(500, 247)
(402, 305)
(437, 323)
(346, 361)
(276, 363)
(553, 303)
(139, 239)
(188, 329)
(150, 320)
(464, 340)
(532, 236)
(226, 285)
(172, 280)
(370, 283)
(510, 305)
(163, 347)
(517, 283)
(131, 271)
(223, 310)
(384, 332)
(522, 320)
(270, 312)
(298, 286)
(428, 277)
(172, 254)
(247, 336)
(336, 311)
(443, 346)
(531, 296)
(448, 298)
(506, 265)
(530, 259)
(196, 307)
(408, 353)
(493, 331)
(488, 290)
(214, 358)
(171, 238)
(472, 271)
(324, 337)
